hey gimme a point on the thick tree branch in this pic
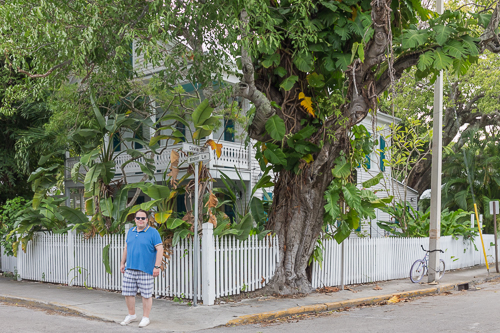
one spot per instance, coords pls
(402, 63)
(489, 38)
(247, 89)
(361, 80)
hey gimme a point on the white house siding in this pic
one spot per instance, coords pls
(387, 185)
(140, 65)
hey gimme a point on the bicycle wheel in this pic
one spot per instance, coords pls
(417, 271)
(441, 269)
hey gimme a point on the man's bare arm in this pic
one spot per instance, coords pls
(124, 259)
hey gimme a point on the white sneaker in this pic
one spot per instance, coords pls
(128, 319)
(144, 322)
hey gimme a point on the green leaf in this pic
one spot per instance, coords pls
(275, 126)
(257, 209)
(97, 112)
(343, 32)
(174, 223)
(470, 44)
(178, 235)
(280, 71)
(157, 191)
(148, 169)
(202, 113)
(173, 117)
(343, 231)
(161, 217)
(461, 199)
(374, 181)
(105, 258)
(72, 215)
(454, 48)
(332, 207)
(442, 33)
(245, 226)
(288, 83)
(304, 62)
(343, 61)
(155, 139)
(275, 155)
(270, 60)
(342, 168)
(414, 38)
(329, 64)
(316, 80)
(425, 60)
(352, 196)
(441, 60)
(91, 177)
(329, 5)
(75, 172)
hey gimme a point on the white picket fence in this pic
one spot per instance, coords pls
(380, 259)
(8, 263)
(244, 266)
(226, 267)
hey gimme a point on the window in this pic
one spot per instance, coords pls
(228, 130)
(137, 145)
(229, 211)
(181, 205)
(181, 128)
(382, 153)
(116, 142)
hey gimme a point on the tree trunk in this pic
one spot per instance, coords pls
(297, 218)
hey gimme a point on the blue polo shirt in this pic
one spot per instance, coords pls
(141, 251)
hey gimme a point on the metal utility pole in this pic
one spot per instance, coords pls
(437, 159)
(196, 247)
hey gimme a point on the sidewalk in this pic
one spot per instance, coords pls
(170, 316)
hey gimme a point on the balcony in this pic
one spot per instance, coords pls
(233, 155)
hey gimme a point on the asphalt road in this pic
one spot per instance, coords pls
(465, 311)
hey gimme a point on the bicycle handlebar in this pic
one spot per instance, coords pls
(431, 251)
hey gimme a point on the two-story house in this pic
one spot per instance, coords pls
(234, 154)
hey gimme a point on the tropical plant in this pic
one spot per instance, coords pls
(477, 164)
(8, 217)
(49, 216)
(453, 223)
(409, 145)
(252, 211)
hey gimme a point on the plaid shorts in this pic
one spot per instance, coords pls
(134, 281)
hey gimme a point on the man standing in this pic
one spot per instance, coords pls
(140, 264)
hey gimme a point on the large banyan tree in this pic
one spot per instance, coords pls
(312, 70)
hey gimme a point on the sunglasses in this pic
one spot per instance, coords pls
(141, 218)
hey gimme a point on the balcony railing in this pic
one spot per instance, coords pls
(233, 155)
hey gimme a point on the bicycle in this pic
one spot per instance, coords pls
(420, 267)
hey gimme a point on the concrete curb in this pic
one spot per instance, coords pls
(322, 307)
(50, 306)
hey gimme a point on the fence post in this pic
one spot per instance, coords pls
(71, 256)
(208, 265)
(127, 228)
(19, 267)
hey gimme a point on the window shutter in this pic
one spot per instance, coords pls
(367, 159)
(382, 153)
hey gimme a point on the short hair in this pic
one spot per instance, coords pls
(142, 211)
